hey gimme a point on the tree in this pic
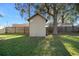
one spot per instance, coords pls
(68, 12)
(56, 11)
(72, 17)
(24, 8)
(51, 9)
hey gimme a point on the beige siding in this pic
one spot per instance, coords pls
(37, 26)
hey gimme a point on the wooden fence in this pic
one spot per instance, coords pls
(17, 30)
(2, 31)
(63, 29)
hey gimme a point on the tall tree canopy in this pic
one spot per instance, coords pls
(56, 10)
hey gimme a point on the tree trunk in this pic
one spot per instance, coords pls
(55, 26)
(72, 27)
(29, 10)
(62, 19)
(62, 23)
(55, 32)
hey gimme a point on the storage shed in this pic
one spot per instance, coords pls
(37, 25)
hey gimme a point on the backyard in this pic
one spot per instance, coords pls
(23, 45)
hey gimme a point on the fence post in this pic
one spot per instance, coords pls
(15, 29)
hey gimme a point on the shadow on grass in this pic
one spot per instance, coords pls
(60, 48)
(52, 46)
(73, 42)
(31, 46)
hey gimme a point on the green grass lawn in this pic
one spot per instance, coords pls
(22, 45)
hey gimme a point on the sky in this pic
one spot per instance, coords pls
(10, 15)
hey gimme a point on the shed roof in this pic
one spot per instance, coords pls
(36, 15)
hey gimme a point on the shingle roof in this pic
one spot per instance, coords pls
(36, 15)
